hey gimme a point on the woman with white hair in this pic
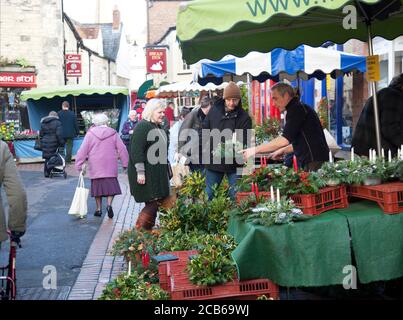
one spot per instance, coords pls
(148, 167)
(128, 127)
(102, 147)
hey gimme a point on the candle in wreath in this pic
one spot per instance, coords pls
(389, 156)
(294, 159)
(272, 193)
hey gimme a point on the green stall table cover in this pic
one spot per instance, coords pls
(315, 252)
(377, 241)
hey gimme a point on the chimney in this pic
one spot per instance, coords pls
(116, 19)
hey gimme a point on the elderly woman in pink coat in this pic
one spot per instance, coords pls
(102, 147)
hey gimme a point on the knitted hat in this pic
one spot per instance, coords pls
(232, 91)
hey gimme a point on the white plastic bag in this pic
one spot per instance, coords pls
(180, 171)
(331, 142)
(79, 204)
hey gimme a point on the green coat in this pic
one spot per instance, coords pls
(16, 197)
(157, 181)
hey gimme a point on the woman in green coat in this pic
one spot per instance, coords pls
(148, 166)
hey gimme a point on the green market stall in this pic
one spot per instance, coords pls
(316, 252)
(84, 101)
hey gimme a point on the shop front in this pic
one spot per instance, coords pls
(14, 79)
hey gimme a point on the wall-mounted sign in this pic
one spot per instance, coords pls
(17, 79)
(73, 65)
(156, 61)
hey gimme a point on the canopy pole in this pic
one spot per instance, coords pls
(248, 85)
(374, 95)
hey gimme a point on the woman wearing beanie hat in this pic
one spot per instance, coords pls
(226, 116)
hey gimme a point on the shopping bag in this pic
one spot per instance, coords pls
(79, 204)
(179, 172)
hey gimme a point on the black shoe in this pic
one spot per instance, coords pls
(110, 211)
(98, 213)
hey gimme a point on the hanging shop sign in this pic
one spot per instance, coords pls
(73, 65)
(156, 61)
(373, 68)
(17, 79)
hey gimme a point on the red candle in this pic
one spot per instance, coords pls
(253, 187)
(265, 161)
(261, 161)
(256, 189)
(294, 159)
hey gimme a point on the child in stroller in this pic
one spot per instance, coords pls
(56, 165)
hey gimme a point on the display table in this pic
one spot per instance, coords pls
(315, 252)
(25, 152)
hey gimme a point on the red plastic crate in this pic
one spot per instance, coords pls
(165, 268)
(326, 199)
(389, 196)
(182, 289)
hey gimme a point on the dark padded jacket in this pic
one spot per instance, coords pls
(51, 136)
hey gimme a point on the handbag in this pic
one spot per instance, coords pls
(38, 144)
(180, 171)
(79, 204)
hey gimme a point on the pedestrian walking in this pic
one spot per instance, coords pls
(193, 142)
(174, 135)
(148, 167)
(128, 127)
(16, 197)
(51, 136)
(226, 114)
(70, 128)
(169, 113)
(302, 134)
(101, 148)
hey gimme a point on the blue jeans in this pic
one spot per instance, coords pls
(215, 178)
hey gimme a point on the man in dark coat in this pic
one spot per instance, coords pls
(70, 128)
(390, 102)
(51, 135)
(302, 134)
(225, 117)
(194, 121)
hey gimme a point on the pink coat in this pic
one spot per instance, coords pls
(102, 147)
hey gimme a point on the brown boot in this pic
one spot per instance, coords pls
(146, 220)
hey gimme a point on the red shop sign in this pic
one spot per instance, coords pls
(156, 61)
(17, 79)
(73, 65)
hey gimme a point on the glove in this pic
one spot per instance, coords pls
(16, 235)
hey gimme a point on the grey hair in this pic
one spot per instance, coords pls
(100, 119)
(283, 88)
(151, 106)
(53, 114)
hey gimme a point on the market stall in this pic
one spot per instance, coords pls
(84, 101)
(315, 252)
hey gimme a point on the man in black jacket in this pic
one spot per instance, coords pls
(302, 134)
(187, 140)
(225, 121)
(390, 102)
(70, 128)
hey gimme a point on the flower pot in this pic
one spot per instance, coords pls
(333, 182)
(372, 181)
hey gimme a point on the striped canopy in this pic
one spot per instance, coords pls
(305, 62)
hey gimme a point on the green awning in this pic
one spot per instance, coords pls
(214, 28)
(64, 91)
(141, 94)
